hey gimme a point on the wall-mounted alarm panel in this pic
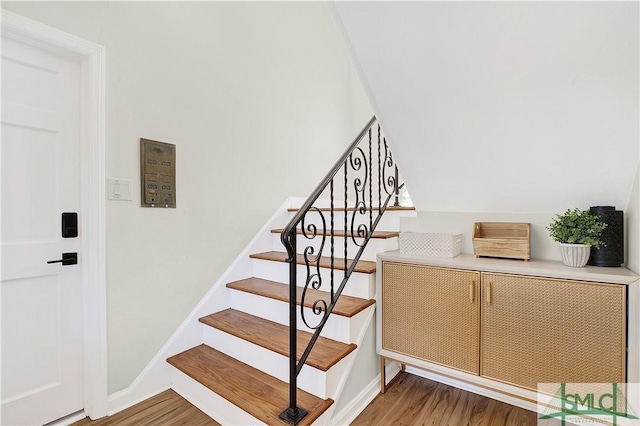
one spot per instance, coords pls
(157, 174)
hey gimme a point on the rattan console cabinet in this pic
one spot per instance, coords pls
(503, 326)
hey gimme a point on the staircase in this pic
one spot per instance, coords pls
(240, 371)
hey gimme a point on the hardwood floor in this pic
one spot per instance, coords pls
(410, 400)
(166, 408)
(413, 400)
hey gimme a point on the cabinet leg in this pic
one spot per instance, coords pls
(383, 378)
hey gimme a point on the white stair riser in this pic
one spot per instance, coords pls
(371, 251)
(375, 246)
(323, 384)
(390, 220)
(213, 405)
(359, 284)
(337, 327)
(326, 417)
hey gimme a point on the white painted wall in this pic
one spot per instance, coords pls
(518, 107)
(256, 97)
(359, 107)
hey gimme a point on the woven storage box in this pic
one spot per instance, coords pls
(430, 244)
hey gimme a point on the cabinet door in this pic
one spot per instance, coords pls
(431, 314)
(538, 330)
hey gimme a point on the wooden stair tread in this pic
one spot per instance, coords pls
(351, 209)
(347, 306)
(364, 266)
(275, 337)
(376, 234)
(259, 394)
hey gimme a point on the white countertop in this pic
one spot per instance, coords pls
(539, 268)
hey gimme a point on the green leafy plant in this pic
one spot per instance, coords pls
(577, 227)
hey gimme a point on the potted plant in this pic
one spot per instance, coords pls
(577, 231)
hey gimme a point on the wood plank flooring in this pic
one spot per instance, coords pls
(166, 408)
(414, 400)
(410, 400)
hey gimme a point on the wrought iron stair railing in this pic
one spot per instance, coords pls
(370, 189)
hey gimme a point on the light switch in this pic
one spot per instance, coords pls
(120, 189)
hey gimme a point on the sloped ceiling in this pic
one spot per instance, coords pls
(503, 106)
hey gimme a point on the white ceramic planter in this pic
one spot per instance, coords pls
(575, 255)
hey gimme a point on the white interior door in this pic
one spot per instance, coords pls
(42, 330)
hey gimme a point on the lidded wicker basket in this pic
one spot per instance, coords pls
(430, 244)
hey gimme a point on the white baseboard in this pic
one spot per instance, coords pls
(128, 397)
(349, 413)
(68, 420)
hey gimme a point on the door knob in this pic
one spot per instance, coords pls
(67, 259)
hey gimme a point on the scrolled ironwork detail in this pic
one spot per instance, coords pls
(360, 175)
(359, 163)
(388, 166)
(312, 258)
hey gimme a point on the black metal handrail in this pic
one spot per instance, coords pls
(313, 223)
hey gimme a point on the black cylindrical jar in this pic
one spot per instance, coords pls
(613, 236)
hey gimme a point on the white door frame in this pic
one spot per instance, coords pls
(92, 193)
